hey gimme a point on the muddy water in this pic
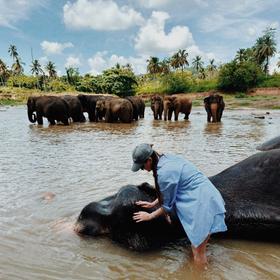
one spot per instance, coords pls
(86, 162)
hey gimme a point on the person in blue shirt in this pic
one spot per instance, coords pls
(182, 187)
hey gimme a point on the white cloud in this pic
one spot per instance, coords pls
(55, 47)
(72, 61)
(154, 3)
(101, 61)
(153, 40)
(14, 10)
(100, 15)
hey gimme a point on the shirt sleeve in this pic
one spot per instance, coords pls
(168, 183)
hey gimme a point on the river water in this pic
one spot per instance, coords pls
(85, 162)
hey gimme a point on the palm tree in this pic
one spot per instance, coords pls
(182, 59)
(17, 67)
(265, 48)
(197, 63)
(50, 67)
(278, 63)
(13, 52)
(153, 66)
(164, 66)
(36, 67)
(212, 67)
(174, 61)
(4, 72)
(240, 55)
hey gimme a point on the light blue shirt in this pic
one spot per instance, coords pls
(198, 204)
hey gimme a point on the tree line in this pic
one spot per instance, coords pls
(176, 73)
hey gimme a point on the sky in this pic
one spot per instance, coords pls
(94, 35)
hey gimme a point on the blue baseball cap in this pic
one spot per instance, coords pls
(140, 154)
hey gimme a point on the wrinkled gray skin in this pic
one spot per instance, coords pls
(75, 108)
(251, 191)
(273, 143)
(51, 107)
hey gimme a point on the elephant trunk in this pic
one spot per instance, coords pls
(156, 108)
(214, 111)
(32, 116)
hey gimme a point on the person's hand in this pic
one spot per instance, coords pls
(144, 204)
(141, 216)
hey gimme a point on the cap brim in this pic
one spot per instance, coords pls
(136, 166)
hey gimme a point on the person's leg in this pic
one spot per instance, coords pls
(199, 253)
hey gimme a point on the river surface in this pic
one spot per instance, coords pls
(85, 162)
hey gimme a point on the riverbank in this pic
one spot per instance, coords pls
(259, 98)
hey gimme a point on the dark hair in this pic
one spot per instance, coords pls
(155, 158)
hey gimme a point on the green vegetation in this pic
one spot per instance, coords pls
(174, 74)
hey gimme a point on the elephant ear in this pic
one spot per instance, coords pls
(206, 99)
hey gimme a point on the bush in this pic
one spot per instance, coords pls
(235, 76)
(58, 85)
(270, 81)
(23, 81)
(177, 83)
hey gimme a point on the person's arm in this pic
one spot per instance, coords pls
(143, 216)
(146, 204)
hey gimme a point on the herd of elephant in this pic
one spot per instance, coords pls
(114, 109)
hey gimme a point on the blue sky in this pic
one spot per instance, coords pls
(94, 35)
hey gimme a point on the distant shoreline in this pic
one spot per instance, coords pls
(258, 98)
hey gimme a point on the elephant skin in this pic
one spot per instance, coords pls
(157, 106)
(251, 190)
(75, 108)
(51, 107)
(138, 106)
(214, 106)
(271, 144)
(89, 104)
(100, 108)
(118, 109)
(177, 104)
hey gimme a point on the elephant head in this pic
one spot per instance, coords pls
(31, 108)
(100, 109)
(157, 106)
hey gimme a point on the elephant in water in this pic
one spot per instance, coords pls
(51, 107)
(251, 190)
(214, 105)
(157, 106)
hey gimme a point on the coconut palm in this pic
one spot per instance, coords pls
(182, 59)
(174, 61)
(212, 67)
(17, 67)
(4, 72)
(164, 66)
(278, 63)
(197, 63)
(153, 66)
(240, 55)
(50, 67)
(36, 67)
(13, 52)
(265, 48)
